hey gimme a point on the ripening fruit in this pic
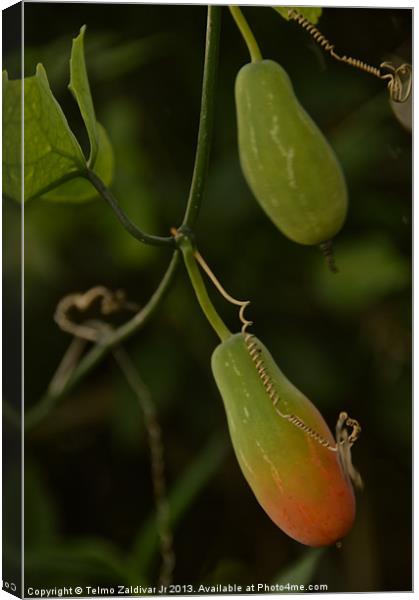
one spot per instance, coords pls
(283, 445)
(287, 162)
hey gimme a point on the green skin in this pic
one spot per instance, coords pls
(287, 162)
(298, 482)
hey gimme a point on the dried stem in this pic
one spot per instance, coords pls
(157, 463)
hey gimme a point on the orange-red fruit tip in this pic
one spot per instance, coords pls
(300, 483)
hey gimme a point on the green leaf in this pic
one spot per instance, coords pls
(52, 154)
(101, 159)
(79, 87)
(51, 151)
(81, 190)
(54, 161)
(312, 14)
(301, 572)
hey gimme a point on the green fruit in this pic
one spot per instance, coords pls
(287, 162)
(284, 447)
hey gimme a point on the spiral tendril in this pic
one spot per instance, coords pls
(399, 78)
(255, 353)
(344, 439)
(109, 302)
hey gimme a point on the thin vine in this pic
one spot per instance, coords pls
(138, 234)
(108, 303)
(105, 344)
(90, 360)
(198, 284)
(246, 32)
(158, 476)
(206, 119)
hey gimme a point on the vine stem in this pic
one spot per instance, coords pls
(156, 447)
(206, 119)
(38, 412)
(247, 34)
(198, 284)
(103, 347)
(145, 238)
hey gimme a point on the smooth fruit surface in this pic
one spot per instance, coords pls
(287, 162)
(299, 483)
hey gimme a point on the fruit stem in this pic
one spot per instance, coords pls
(186, 247)
(247, 34)
(326, 248)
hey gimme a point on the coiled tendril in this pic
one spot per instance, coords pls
(399, 78)
(344, 439)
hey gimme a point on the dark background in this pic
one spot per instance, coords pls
(344, 340)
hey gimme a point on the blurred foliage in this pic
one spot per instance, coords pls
(384, 272)
(344, 340)
(303, 570)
